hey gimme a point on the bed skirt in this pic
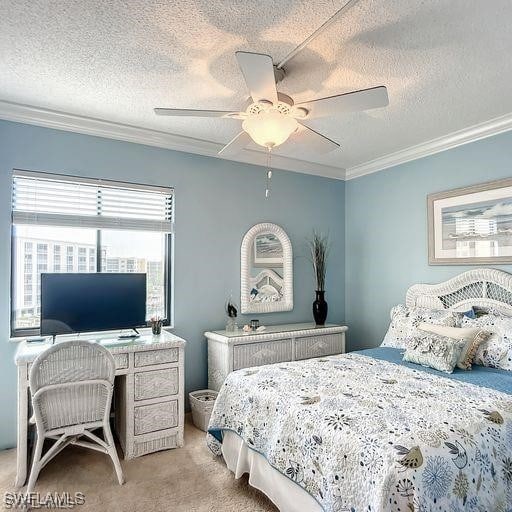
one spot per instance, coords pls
(283, 492)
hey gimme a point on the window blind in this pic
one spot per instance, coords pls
(55, 200)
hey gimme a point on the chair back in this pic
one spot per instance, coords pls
(71, 384)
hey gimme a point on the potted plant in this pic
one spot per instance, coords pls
(156, 325)
(319, 250)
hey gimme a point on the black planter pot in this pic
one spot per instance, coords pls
(320, 308)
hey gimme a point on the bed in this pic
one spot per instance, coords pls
(366, 431)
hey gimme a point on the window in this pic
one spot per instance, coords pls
(82, 259)
(56, 258)
(65, 224)
(69, 259)
(42, 258)
(92, 260)
(147, 256)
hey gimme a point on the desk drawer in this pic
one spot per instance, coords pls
(319, 346)
(121, 361)
(257, 354)
(156, 383)
(149, 357)
(151, 418)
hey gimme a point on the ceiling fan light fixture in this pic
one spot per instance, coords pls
(270, 128)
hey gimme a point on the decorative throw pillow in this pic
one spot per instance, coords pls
(496, 351)
(473, 336)
(405, 321)
(434, 351)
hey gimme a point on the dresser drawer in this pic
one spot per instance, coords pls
(318, 346)
(149, 357)
(257, 354)
(151, 418)
(156, 383)
(121, 361)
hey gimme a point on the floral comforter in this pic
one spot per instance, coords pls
(361, 434)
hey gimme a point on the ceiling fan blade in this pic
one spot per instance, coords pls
(314, 140)
(258, 71)
(349, 102)
(187, 112)
(235, 145)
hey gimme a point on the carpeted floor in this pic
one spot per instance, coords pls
(182, 480)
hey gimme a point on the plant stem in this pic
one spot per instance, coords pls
(319, 249)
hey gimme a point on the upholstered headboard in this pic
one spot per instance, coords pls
(484, 287)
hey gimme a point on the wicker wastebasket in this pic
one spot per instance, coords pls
(202, 402)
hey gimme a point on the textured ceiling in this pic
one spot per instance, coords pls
(446, 63)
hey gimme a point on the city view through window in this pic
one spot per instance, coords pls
(40, 249)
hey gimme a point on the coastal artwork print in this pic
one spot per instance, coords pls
(268, 250)
(471, 225)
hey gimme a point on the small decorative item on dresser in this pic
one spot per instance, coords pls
(255, 324)
(319, 248)
(232, 312)
(156, 325)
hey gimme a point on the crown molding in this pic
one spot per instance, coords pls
(452, 140)
(101, 128)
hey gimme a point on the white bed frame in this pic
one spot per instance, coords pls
(483, 287)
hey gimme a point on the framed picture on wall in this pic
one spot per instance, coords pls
(472, 225)
(268, 250)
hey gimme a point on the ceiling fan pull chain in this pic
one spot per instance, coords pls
(269, 174)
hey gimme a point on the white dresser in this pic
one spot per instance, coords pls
(229, 351)
(148, 393)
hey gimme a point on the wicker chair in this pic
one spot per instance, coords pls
(71, 385)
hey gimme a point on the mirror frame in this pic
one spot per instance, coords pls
(246, 258)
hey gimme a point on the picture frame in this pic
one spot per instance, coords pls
(471, 225)
(268, 250)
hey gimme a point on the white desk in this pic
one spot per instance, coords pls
(148, 393)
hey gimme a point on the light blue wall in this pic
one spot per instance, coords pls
(386, 229)
(216, 203)
(377, 224)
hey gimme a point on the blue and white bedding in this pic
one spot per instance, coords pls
(367, 432)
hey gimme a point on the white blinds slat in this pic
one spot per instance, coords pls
(40, 198)
(49, 219)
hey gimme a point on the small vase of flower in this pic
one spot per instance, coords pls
(156, 325)
(319, 250)
(231, 312)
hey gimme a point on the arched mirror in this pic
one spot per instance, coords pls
(266, 270)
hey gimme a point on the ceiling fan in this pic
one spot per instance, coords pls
(272, 117)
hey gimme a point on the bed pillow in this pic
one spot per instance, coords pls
(405, 321)
(496, 351)
(434, 351)
(473, 337)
